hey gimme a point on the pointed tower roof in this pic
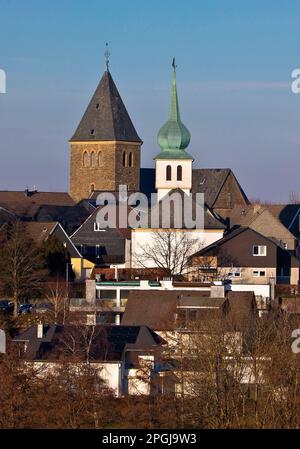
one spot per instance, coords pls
(173, 137)
(106, 117)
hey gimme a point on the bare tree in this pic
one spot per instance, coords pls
(294, 198)
(21, 265)
(57, 293)
(168, 250)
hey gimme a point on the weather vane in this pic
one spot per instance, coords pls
(174, 64)
(107, 55)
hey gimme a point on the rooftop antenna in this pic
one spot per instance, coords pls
(107, 55)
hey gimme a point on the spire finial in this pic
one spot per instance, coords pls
(107, 55)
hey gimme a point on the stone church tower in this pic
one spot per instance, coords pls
(105, 149)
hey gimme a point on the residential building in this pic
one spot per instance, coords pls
(126, 357)
(261, 219)
(247, 256)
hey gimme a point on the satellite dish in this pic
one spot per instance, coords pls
(2, 342)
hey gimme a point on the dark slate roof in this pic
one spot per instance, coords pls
(147, 181)
(6, 216)
(111, 241)
(106, 115)
(210, 182)
(27, 204)
(204, 180)
(211, 220)
(70, 217)
(108, 341)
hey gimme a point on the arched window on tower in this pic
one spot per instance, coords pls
(130, 160)
(93, 159)
(100, 158)
(124, 159)
(86, 161)
(168, 173)
(179, 173)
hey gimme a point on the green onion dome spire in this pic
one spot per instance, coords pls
(173, 137)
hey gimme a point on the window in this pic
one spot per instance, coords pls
(93, 159)
(179, 173)
(86, 159)
(98, 251)
(234, 274)
(259, 250)
(100, 158)
(168, 173)
(92, 132)
(97, 106)
(92, 188)
(124, 159)
(130, 160)
(259, 273)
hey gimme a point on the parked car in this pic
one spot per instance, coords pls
(42, 307)
(6, 306)
(24, 308)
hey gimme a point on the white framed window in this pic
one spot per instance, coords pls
(234, 274)
(259, 250)
(259, 273)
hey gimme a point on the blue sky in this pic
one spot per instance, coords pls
(234, 73)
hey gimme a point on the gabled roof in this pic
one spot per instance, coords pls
(248, 215)
(155, 309)
(226, 238)
(26, 204)
(108, 342)
(211, 221)
(39, 231)
(111, 241)
(106, 117)
(204, 180)
(288, 215)
(210, 182)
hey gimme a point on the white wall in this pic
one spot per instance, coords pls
(142, 237)
(263, 290)
(161, 183)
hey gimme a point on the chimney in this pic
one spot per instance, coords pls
(217, 290)
(40, 330)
